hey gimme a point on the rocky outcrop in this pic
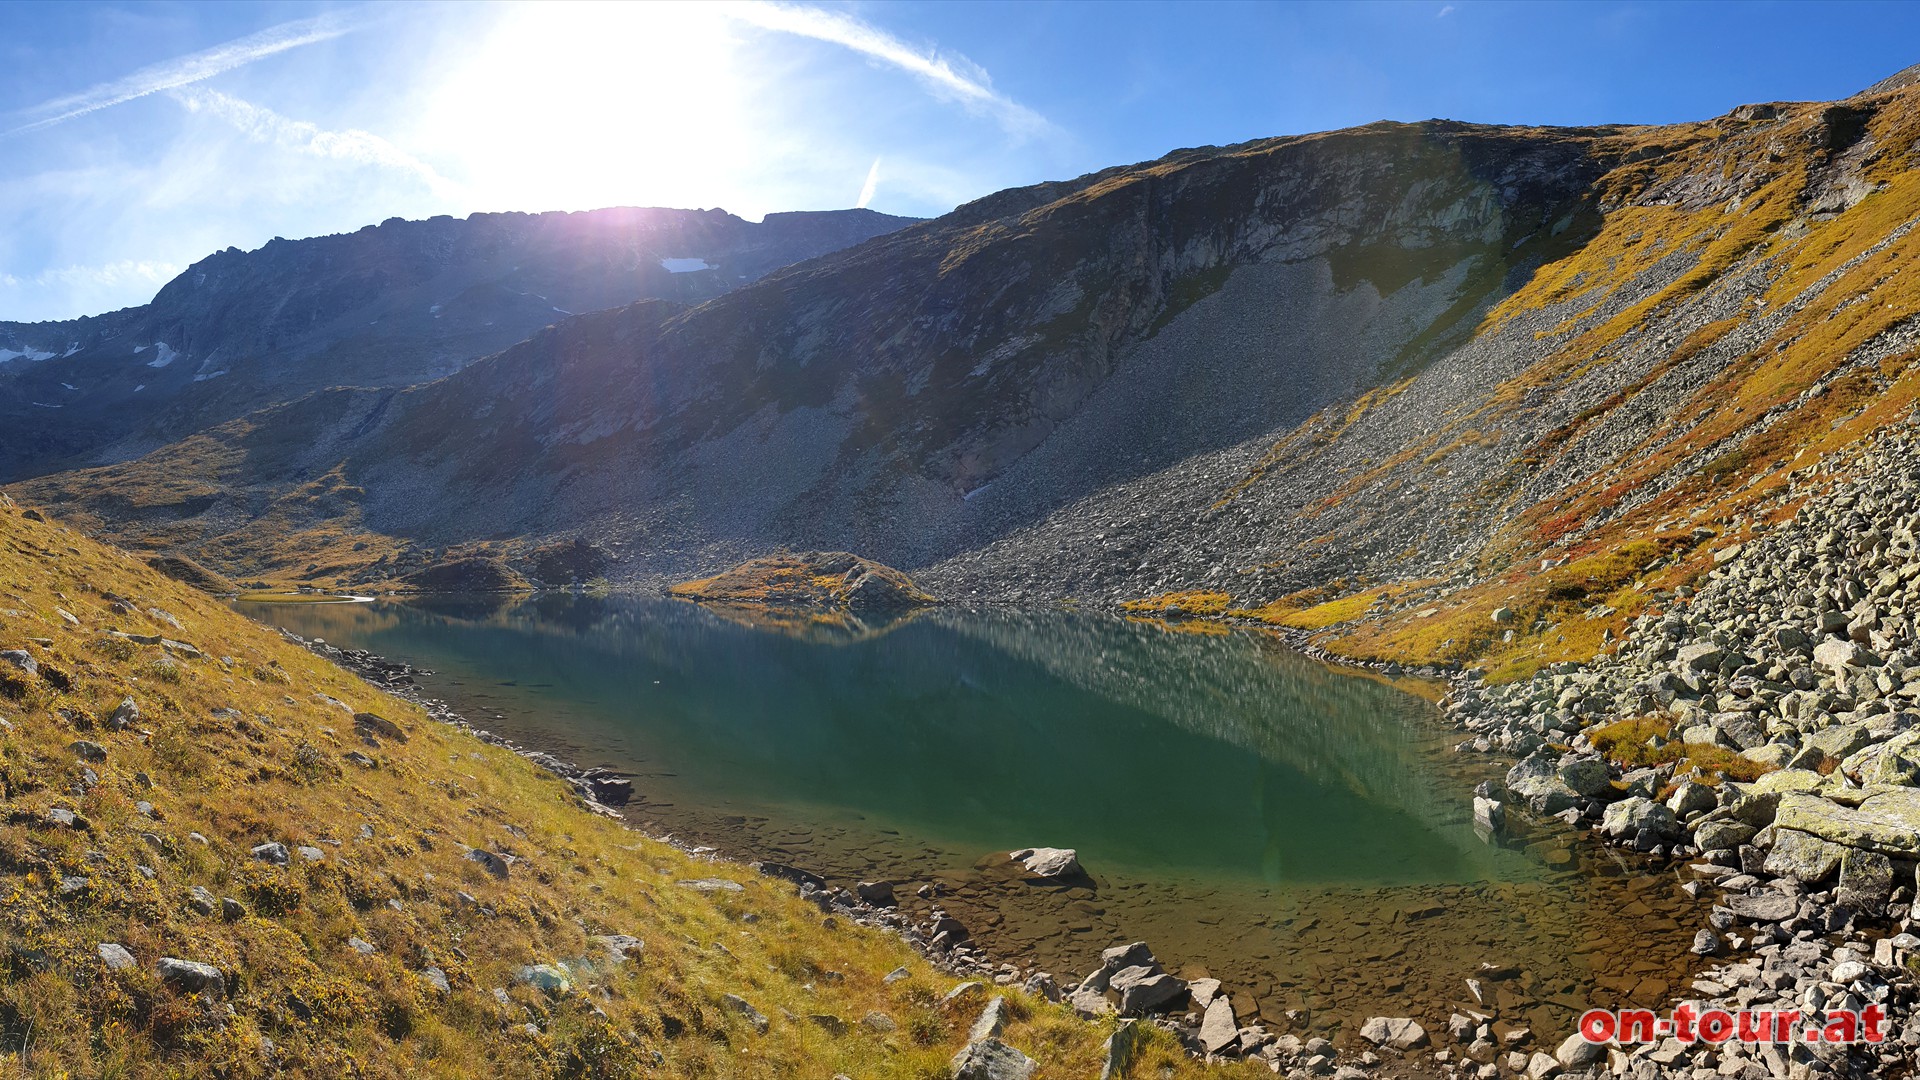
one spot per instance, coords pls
(817, 580)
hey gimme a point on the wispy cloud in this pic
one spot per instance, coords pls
(103, 274)
(264, 125)
(182, 71)
(955, 77)
(1444, 12)
(873, 183)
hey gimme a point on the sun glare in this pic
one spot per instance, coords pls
(579, 105)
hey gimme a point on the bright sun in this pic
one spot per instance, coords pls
(578, 105)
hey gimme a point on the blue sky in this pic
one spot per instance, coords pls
(137, 138)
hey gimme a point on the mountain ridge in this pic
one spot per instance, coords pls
(1373, 368)
(392, 304)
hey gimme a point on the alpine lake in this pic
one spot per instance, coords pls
(1301, 832)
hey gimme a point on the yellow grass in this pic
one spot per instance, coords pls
(241, 743)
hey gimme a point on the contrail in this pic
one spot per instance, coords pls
(971, 87)
(265, 125)
(183, 70)
(867, 189)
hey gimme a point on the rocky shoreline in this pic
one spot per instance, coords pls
(1797, 655)
(1796, 661)
(1211, 1021)
(1129, 982)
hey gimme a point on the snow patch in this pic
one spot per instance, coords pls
(163, 355)
(23, 354)
(44, 405)
(139, 388)
(209, 375)
(563, 311)
(71, 387)
(684, 266)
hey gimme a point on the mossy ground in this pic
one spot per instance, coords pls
(243, 741)
(1640, 741)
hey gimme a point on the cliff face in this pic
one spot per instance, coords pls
(1421, 370)
(391, 305)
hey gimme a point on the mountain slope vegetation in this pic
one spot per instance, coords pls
(1374, 384)
(183, 784)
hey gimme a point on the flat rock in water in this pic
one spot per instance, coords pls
(1394, 1032)
(1204, 991)
(1049, 862)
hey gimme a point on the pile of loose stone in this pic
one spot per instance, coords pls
(1799, 651)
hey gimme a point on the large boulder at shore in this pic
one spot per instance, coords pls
(825, 580)
(1146, 989)
(1802, 857)
(1627, 819)
(1887, 822)
(1536, 780)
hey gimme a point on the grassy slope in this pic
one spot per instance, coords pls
(1614, 565)
(275, 770)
